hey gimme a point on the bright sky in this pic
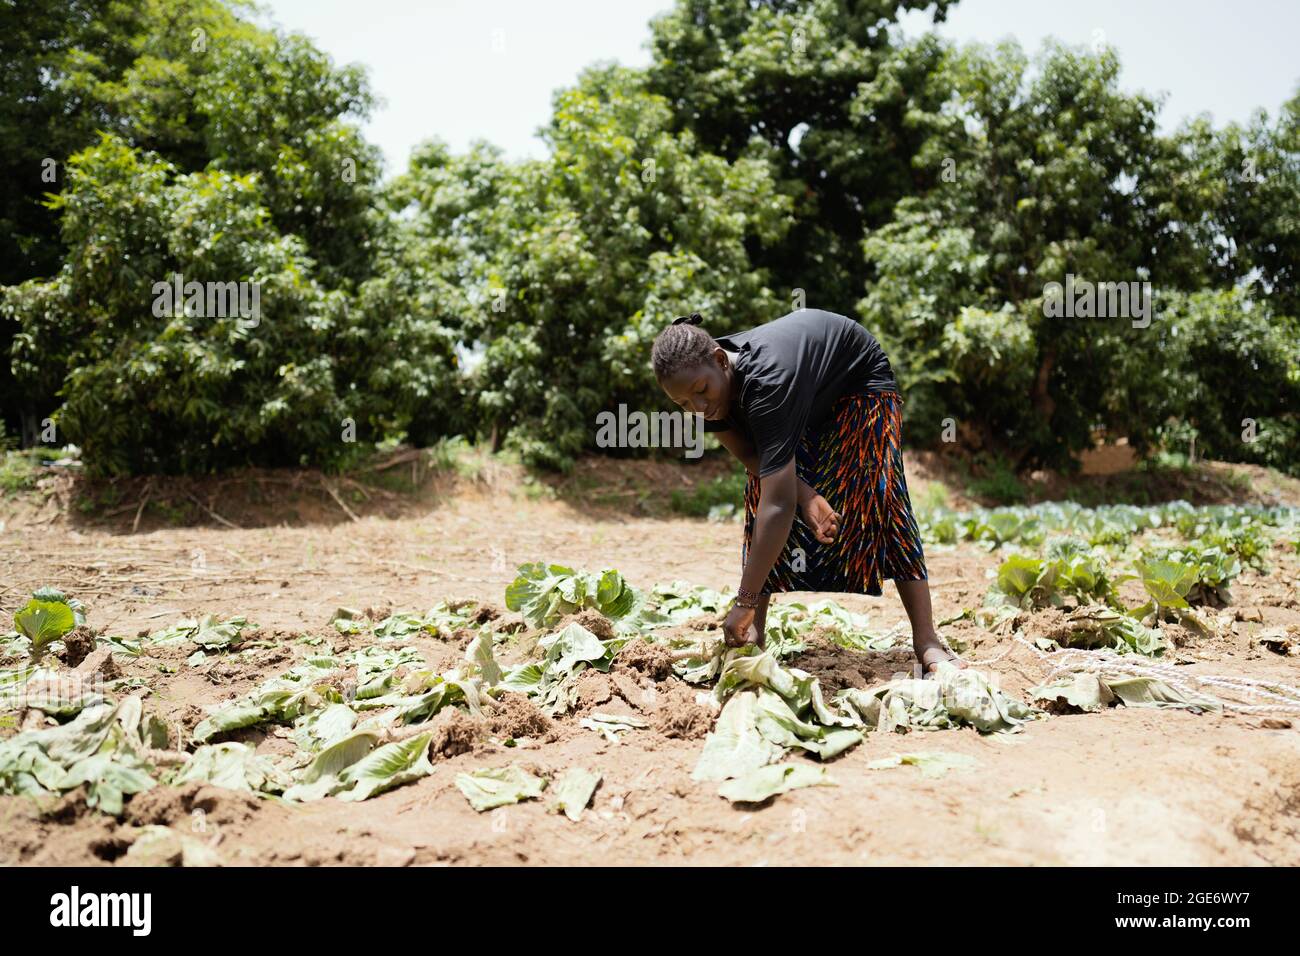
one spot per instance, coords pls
(485, 69)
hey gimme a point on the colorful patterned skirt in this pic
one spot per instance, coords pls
(853, 459)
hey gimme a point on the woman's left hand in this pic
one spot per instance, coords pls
(821, 518)
(738, 629)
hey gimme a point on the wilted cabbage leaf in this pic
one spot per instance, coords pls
(735, 747)
(932, 763)
(212, 633)
(387, 767)
(766, 782)
(234, 766)
(610, 726)
(486, 789)
(573, 791)
(101, 748)
(954, 697)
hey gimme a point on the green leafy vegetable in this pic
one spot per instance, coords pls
(1167, 582)
(100, 748)
(399, 625)
(324, 775)
(767, 709)
(1032, 582)
(44, 619)
(298, 691)
(387, 767)
(213, 633)
(1092, 692)
(1093, 625)
(544, 593)
(552, 682)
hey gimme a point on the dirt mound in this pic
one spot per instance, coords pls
(839, 667)
(68, 808)
(462, 636)
(592, 620)
(484, 613)
(52, 833)
(197, 803)
(677, 713)
(518, 649)
(1046, 622)
(519, 717)
(508, 624)
(455, 732)
(627, 685)
(99, 665)
(653, 660)
(269, 656)
(593, 689)
(379, 612)
(77, 644)
(189, 717)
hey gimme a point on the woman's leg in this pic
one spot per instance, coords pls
(925, 639)
(904, 559)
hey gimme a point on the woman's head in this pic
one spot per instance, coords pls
(692, 368)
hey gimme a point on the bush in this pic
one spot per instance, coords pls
(996, 480)
(302, 377)
(726, 489)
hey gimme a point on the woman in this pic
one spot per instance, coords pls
(809, 404)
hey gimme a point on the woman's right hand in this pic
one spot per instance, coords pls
(738, 629)
(821, 517)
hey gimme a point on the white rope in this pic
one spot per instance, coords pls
(1125, 665)
(969, 660)
(979, 662)
(1103, 661)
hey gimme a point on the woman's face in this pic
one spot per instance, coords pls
(706, 388)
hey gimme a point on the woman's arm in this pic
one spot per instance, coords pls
(776, 508)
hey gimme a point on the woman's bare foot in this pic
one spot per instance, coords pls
(929, 652)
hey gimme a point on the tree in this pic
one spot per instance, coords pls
(203, 90)
(573, 264)
(1062, 175)
(804, 87)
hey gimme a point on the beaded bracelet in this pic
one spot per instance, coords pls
(746, 598)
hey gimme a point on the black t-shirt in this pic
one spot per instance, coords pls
(788, 373)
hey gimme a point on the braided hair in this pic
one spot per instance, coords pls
(682, 345)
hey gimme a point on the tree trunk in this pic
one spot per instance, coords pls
(1044, 404)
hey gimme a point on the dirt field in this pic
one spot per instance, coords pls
(1123, 787)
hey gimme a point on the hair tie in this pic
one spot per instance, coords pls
(694, 319)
